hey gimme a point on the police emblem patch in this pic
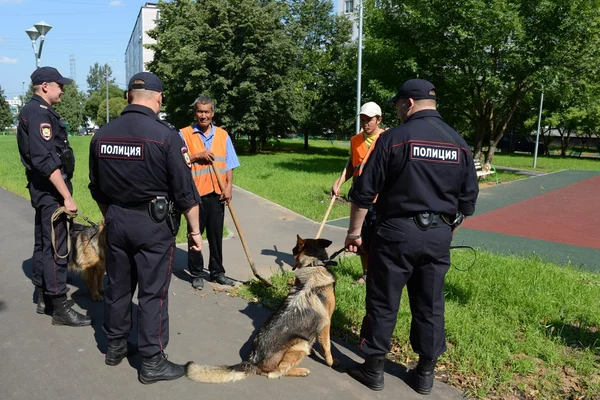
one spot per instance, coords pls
(433, 152)
(186, 157)
(46, 131)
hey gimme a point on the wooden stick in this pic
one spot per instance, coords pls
(239, 230)
(330, 206)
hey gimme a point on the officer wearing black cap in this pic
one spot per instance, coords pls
(139, 169)
(424, 174)
(49, 165)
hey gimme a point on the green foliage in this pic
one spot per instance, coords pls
(266, 63)
(95, 99)
(97, 77)
(484, 56)
(72, 107)
(115, 106)
(6, 116)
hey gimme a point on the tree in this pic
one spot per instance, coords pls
(6, 116)
(115, 107)
(96, 78)
(72, 107)
(324, 70)
(92, 104)
(484, 56)
(236, 52)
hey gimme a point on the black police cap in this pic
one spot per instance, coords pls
(149, 82)
(416, 89)
(48, 74)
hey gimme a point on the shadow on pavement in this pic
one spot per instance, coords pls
(281, 258)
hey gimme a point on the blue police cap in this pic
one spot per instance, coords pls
(416, 89)
(149, 82)
(48, 74)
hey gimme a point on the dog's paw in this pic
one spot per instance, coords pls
(97, 297)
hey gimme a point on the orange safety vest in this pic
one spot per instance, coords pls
(205, 179)
(360, 152)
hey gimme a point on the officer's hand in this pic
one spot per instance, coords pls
(70, 205)
(353, 245)
(226, 196)
(196, 242)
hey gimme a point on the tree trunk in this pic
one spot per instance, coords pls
(564, 142)
(252, 138)
(305, 141)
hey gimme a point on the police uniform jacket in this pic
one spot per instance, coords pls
(41, 137)
(421, 166)
(137, 157)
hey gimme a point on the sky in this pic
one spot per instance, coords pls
(90, 30)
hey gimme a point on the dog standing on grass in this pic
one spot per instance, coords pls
(289, 334)
(88, 249)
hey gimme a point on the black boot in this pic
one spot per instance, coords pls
(370, 373)
(41, 304)
(63, 314)
(158, 368)
(422, 376)
(117, 351)
(44, 307)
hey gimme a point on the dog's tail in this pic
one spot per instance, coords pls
(219, 374)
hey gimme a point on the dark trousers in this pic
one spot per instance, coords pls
(139, 252)
(212, 216)
(402, 254)
(49, 271)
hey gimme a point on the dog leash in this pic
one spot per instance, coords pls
(70, 217)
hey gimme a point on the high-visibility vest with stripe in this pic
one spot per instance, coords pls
(205, 179)
(360, 152)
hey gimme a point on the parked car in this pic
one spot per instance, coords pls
(521, 143)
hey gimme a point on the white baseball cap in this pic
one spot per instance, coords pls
(370, 109)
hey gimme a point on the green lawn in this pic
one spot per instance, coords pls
(545, 163)
(515, 326)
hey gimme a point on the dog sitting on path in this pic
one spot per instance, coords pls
(289, 334)
(87, 258)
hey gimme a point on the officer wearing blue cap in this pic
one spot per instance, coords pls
(49, 165)
(424, 174)
(140, 176)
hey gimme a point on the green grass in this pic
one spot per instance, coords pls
(545, 163)
(515, 326)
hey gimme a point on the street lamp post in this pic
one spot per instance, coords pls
(39, 30)
(537, 137)
(359, 68)
(106, 83)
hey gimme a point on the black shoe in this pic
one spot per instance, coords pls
(63, 314)
(198, 283)
(370, 373)
(118, 349)
(422, 376)
(223, 280)
(45, 307)
(158, 368)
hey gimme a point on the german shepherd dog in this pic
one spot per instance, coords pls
(289, 334)
(88, 249)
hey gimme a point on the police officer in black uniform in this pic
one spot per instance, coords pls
(139, 167)
(49, 166)
(424, 174)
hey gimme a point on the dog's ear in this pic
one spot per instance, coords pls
(324, 242)
(299, 240)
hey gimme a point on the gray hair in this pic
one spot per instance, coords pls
(203, 100)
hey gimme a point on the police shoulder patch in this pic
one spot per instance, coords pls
(46, 131)
(186, 156)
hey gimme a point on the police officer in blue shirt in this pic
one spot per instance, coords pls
(49, 165)
(424, 174)
(140, 173)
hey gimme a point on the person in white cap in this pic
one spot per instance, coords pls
(361, 145)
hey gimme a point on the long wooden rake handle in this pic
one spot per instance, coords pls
(329, 208)
(239, 230)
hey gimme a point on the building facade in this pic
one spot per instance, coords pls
(137, 56)
(349, 8)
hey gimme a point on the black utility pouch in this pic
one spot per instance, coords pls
(424, 220)
(173, 219)
(67, 158)
(158, 209)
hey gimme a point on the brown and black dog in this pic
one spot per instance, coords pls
(289, 334)
(88, 247)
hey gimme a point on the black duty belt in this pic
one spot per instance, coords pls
(425, 220)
